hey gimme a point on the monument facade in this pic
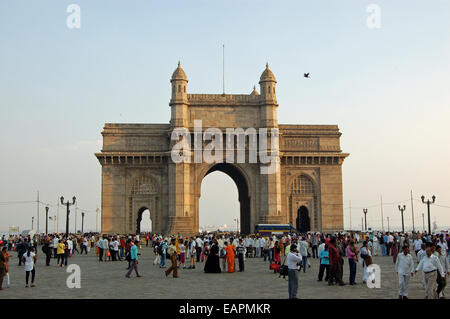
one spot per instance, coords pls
(139, 173)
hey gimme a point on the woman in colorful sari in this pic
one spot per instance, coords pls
(277, 253)
(229, 256)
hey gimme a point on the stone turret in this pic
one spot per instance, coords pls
(267, 83)
(179, 100)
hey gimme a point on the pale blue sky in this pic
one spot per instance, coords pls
(387, 89)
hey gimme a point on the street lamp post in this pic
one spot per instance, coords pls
(365, 210)
(82, 223)
(32, 222)
(68, 204)
(388, 223)
(54, 224)
(428, 202)
(46, 219)
(402, 209)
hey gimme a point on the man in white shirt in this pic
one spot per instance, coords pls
(70, 246)
(417, 245)
(443, 246)
(404, 266)
(198, 247)
(420, 254)
(262, 244)
(257, 247)
(375, 245)
(55, 245)
(430, 265)
(321, 247)
(292, 259)
(84, 246)
(116, 250)
(100, 249)
(303, 249)
(441, 283)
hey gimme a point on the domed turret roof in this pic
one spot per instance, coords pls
(267, 75)
(179, 74)
(254, 92)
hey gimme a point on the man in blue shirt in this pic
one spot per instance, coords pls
(134, 259)
(324, 263)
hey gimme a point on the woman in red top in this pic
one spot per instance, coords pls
(277, 253)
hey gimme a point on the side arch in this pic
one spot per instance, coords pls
(304, 192)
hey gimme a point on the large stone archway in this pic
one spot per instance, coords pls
(138, 169)
(242, 184)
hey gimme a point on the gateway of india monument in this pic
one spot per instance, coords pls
(138, 172)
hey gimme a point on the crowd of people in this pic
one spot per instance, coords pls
(227, 252)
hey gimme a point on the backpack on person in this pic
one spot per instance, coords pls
(283, 270)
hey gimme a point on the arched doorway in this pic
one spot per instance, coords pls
(143, 221)
(243, 193)
(303, 220)
(218, 203)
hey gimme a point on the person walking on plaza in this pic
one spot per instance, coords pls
(230, 256)
(47, 251)
(430, 265)
(394, 250)
(417, 245)
(240, 250)
(29, 260)
(198, 247)
(60, 250)
(183, 247)
(352, 256)
(192, 253)
(404, 267)
(314, 245)
(293, 258)
(303, 250)
(55, 247)
(3, 271)
(335, 264)
(365, 260)
(7, 256)
(134, 259)
(441, 281)
(84, 246)
(100, 249)
(324, 263)
(172, 252)
(162, 250)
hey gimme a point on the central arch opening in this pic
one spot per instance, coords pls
(223, 208)
(303, 221)
(143, 222)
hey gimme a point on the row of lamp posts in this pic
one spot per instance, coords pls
(67, 204)
(402, 209)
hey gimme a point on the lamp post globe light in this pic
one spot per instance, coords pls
(402, 209)
(365, 210)
(68, 204)
(46, 219)
(428, 203)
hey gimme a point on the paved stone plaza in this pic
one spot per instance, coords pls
(107, 280)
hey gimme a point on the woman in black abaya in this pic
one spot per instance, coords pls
(212, 263)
